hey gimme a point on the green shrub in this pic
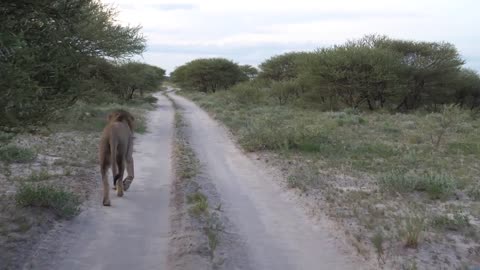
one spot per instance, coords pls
(474, 192)
(247, 93)
(200, 204)
(5, 137)
(285, 91)
(397, 181)
(437, 186)
(457, 223)
(13, 153)
(63, 203)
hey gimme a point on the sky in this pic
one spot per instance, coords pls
(250, 31)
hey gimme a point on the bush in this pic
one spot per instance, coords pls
(206, 75)
(283, 67)
(457, 223)
(285, 91)
(13, 153)
(63, 203)
(5, 137)
(247, 93)
(437, 186)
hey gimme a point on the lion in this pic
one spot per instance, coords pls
(116, 149)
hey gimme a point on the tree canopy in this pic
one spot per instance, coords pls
(53, 52)
(208, 74)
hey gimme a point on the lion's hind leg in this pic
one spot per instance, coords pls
(106, 188)
(118, 178)
(129, 160)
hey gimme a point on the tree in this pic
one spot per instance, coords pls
(49, 50)
(355, 74)
(249, 72)
(467, 88)
(283, 67)
(427, 69)
(207, 75)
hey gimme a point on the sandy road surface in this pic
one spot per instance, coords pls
(134, 232)
(277, 233)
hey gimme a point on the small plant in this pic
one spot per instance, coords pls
(437, 186)
(23, 224)
(474, 192)
(196, 197)
(5, 137)
(68, 172)
(212, 239)
(444, 122)
(457, 223)
(377, 241)
(42, 175)
(13, 153)
(200, 204)
(63, 203)
(414, 226)
(397, 181)
(410, 266)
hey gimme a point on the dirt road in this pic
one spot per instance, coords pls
(272, 228)
(277, 233)
(134, 232)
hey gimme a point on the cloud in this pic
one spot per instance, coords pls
(249, 31)
(174, 6)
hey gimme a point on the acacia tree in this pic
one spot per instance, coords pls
(356, 75)
(249, 72)
(283, 67)
(49, 49)
(428, 67)
(467, 88)
(208, 75)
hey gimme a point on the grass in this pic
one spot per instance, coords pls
(378, 242)
(414, 226)
(93, 117)
(35, 176)
(437, 186)
(186, 169)
(63, 203)
(474, 192)
(6, 137)
(355, 161)
(16, 154)
(200, 203)
(457, 222)
(373, 143)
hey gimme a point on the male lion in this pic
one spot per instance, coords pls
(116, 148)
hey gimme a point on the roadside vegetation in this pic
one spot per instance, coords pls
(196, 222)
(64, 66)
(383, 132)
